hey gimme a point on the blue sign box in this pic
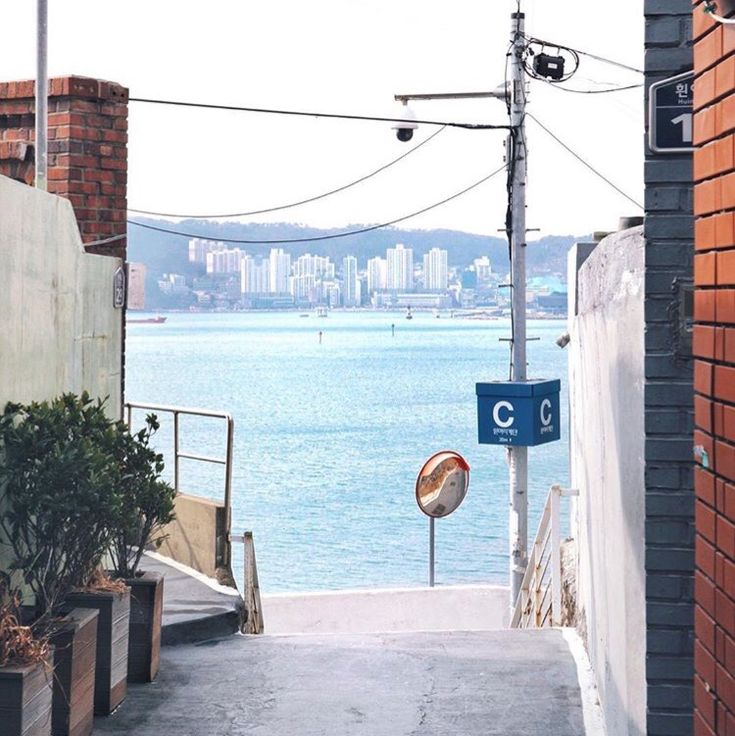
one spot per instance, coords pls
(525, 414)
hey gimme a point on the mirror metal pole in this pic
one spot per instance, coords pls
(431, 551)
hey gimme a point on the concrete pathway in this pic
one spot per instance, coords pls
(195, 607)
(509, 683)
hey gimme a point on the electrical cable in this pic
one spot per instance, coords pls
(583, 161)
(579, 52)
(322, 237)
(105, 241)
(529, 52)
(300, 202)
(710, 7)
(302, 113)
(587, 91)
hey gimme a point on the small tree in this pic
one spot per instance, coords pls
(147, 502)
(57, 493)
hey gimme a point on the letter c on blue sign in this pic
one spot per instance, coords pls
(546, 412)
(509, 419)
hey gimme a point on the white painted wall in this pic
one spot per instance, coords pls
(58, 329)
(606, 373)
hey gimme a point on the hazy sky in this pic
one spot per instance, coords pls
(350, 56)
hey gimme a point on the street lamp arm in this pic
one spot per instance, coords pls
(500, 93)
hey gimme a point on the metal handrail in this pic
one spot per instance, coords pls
(177, 411)
(539, 599)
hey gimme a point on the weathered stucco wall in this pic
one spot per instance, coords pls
(58, 329)
(197, 537)
(606, 453)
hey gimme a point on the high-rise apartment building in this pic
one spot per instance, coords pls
(320, 267)
(199, 247)
(224, 261)
(400, 268)
(280, 270)
(349, 281)
(436, 270)
(482, 268)
(377, 273)
(254, 276)
(309, 273)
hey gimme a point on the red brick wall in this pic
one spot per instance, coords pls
(714, 374)
(87, 149)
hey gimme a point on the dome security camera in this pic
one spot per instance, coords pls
(406, 123)
(563, 340)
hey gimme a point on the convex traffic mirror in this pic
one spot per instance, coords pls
(442, 484)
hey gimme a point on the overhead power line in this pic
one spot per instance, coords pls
(583, 161)
(300, 202)
(302, 113)
(589, 91)
(359, 231)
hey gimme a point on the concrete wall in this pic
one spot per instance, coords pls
(58, 329)
(606, 453)
(198, 537)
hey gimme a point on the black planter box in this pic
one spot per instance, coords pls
(146, 611)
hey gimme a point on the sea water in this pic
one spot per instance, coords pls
(332, 429)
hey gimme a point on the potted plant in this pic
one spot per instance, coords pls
(25, 672)
(147, 505)
(57, 484)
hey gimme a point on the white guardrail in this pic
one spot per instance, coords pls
(539, 600)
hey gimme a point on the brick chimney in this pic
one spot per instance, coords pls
(87, 150)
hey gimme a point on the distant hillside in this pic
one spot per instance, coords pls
(165, 253)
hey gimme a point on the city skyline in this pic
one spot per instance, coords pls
(232, 278)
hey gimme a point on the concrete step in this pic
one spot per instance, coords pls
(514, 683)
(443, 608)
(195, 607)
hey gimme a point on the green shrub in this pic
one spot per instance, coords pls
(58, 493)
(147, 501)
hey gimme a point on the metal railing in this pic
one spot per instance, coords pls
(251, 588)
(177, 412)
(539, 600)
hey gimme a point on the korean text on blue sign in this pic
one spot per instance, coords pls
(525, 413)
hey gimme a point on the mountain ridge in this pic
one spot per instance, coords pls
(163, 252)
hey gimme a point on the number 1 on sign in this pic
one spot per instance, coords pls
(686, 126)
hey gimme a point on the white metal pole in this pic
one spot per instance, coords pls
(42, 95)
(518, 456)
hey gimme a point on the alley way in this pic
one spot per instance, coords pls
(514, 683)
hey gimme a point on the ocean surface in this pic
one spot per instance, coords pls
(329, 437)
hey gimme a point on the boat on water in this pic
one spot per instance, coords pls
(322, 312)
(157, 320)
(408, 313)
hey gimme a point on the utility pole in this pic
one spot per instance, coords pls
(517, 153)
(513, 93)
(42, 94)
